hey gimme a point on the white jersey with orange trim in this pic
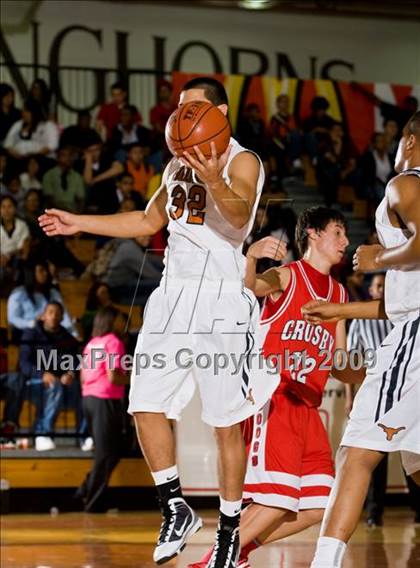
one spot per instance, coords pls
(402, 287)
(202, 244)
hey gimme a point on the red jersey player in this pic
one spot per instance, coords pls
(290, 467)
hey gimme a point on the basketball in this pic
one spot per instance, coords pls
(197, 123)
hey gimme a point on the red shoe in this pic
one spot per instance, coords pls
(204, 561)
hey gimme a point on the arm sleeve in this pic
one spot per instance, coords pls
(24, 234)
(10, 139)
(116, 348)
(15, 312)
(26, 362)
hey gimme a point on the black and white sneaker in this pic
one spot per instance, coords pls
(227, 548)
(179, 523)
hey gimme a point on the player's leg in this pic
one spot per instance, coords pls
(159, 391)
(355, 467)
(289, 525)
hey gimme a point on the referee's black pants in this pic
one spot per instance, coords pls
(104, 417)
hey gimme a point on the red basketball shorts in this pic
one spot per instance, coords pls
(289, 456)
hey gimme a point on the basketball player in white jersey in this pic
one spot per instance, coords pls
(201, 307)
(386, 412)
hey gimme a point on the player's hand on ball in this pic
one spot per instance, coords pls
(365, 258)
(317, 311)
(209, 171)
(269, 247)
(56, 222)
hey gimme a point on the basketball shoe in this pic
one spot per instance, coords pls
(243, 561)
(179, 522)
(227, 548)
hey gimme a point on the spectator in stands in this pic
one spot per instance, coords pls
(41, 94)
(14, 189)
(27, 302)
(52, 249)
(160, 113)
(103, 391)
(32, 134)
(317, 123)
(14, 234)
(251, 131)
(336, 163)
(128, 132)
(138, 167)
(9, 114)
(11, 391)
(98, 297)
(48, 380)
(80, 136)
(285, 139)
(125, 190)
(110, 113)
(99, 174)
(3, 170)
(64, 187)
(132, 264)
(29, 179)
(377, 169)
(392, 137)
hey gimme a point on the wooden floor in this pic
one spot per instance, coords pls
(125, 540)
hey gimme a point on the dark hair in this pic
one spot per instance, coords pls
(5, 89)
(413, 125)
(315, 218)
(131, 108)
(30, 284)
(83, 113)
(319, 103)
(92, 300)
(10, 197)
(37, 111)
(55, 303)
(214, 91)
(103, 322)
(120, 177)
(37, 192)
(119, 85)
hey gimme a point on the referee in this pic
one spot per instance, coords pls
(365, 335)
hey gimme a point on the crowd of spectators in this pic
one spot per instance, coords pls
(113, 162)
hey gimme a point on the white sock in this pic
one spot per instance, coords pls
(165, 475)
(230, 508)
(329, 553)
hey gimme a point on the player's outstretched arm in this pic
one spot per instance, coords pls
(235, 201)
(317, 311)
(269, 281)
(402, 194)
(124, 225)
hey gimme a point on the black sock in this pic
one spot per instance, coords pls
(227, 522)
(169, 490)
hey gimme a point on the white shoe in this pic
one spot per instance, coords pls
(179, 523)
(87, 445)
(44, 444)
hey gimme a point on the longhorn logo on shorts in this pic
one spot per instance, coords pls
(390, 432)
(250, 397)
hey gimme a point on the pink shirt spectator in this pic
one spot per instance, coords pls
(95, 380)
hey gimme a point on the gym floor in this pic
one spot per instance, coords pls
(126, 540)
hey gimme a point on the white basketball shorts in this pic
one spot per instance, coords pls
(204, 334)
(386, 410)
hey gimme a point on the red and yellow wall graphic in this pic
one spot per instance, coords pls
(347, 105)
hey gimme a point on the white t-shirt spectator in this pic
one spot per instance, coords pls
(28, 182)
(12, 242)
(46, 135)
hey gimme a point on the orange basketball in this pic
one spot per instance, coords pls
(197, 123)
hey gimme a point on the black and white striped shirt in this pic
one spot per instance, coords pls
(367, 334)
